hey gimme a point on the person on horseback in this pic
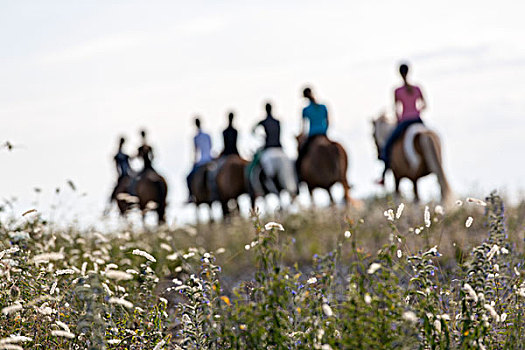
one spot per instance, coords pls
(145, 152)
(122, 160)
(201, 155)
(317, 116)
(409, 103)
(272, 129)
(230, 138)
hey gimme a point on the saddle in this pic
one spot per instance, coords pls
(409, 148)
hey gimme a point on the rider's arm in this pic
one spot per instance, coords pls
(194, 152)
(397, 109)
(303, 123)
(423, 104)
(327, 118)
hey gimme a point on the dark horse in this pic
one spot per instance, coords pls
(226, 175)
(324, 165)
(151, 191)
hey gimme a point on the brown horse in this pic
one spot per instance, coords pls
(151, 191)
(427, 146)
(324, 165)
(221, 180)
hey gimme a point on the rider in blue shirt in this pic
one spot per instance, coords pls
(317, 116)
(202, 154)
(122, 160)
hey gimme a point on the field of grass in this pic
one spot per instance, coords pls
(383, 276)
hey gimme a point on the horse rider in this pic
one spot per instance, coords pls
(122, 160)
(230, 138)
(408, 105)
(201, 155)
(145, 151)
(317, 116)
(272, 129)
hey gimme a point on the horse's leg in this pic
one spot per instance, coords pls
(397, 182)
(332, 201)
(416, 193)
(225, 209)
(161, 212)
(311, 191)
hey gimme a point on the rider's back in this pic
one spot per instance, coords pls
(272, 128)
(408, 96)
(203, 144)
(317, 115)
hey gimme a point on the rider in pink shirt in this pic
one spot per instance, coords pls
(406, 97)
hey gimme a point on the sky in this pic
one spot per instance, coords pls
(74, 76)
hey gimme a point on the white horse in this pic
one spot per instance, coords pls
(274, 173)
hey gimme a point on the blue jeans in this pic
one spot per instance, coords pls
(396, 134)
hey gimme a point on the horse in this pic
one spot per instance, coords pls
(324, 165)
(151, 190)
(273, 173)
(221, 180)
(426, 145)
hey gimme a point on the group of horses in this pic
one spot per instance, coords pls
(224, 180)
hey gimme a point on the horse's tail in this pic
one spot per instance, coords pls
(431, 148)
(286, 174)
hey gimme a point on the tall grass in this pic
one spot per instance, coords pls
(393, 276)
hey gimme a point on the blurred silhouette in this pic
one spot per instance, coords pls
(145, 189)
(122, 160)
(145, 152)
(321, 163)
(271, 171)
(230, 138)
(406, 100)
(201, 155)
(416, 154)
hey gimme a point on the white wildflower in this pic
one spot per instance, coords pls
(516, 271)
(326, 347)
(368, 298)
(247, 247)
(118, 275)
(132, 272)
(492, 311)
(431, 251)
(63, 326)
(64, 334)
(469, 221)
(64, 272)
(503, 317)
(504, 250)
(178, 269)
(8, 251)
(444, 317)
(521, 292)
(14, 339)
(373, 268)
(114, 341)
(46, 257)
(327, 310)
(11, 347)
(399, 253)
(187, 256)
(83, 269)
(410, 316)
(311, 280)
(493, 251)
(471, 292)
(271, 225)
(476, 201)
(45, 310)
(389, 214)
(159, 345)
(144, 254)
(53, 287)
(12, 308)
(417, 231)
(496, 267)
(439, 210)
(427, 217)
(459, 203)
(399, 211)
(173, 256)
(220, 251)
(166, 247)
(121, 301)
(437, 326)
(254, 243)
(348, 234)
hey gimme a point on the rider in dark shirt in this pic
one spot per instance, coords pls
(145, 151)
(230, 138)
(122, 160)
(272, 128)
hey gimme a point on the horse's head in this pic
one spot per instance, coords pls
(382, 128)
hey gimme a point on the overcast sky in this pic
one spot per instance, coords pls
(74, 75)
